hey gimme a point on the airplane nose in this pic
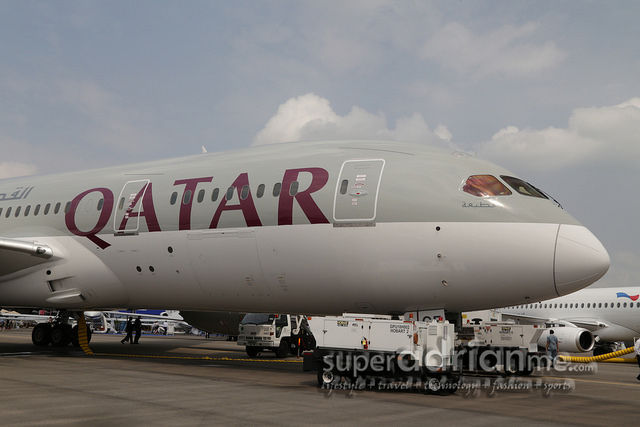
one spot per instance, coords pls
(580, 259)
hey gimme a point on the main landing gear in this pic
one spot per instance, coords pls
(58, 333)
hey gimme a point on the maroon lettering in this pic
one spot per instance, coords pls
(148, 210)
(247, 206)
(319, 178)
(185, 205)
(105, 214)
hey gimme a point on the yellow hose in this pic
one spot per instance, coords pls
(602, 357)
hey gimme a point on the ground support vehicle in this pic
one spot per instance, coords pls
(500, 348)
(280, 333)
(361, 351)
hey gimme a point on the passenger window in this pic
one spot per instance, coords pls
(0, 211)
(18, 211)
(57, 208)
(260, 191)
(523, 187)
(67, 207)
(47, 208)
(100, 204)
(214, 194)
(245, 192)
(121, 204)
(8, 212)
(174, 198)
(276, 189)
(187, 197)
(27, 210)
(229, 194)
(485, 186)
(201, 196)
(36, 210)
(293, 189)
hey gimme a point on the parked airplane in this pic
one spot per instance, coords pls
(609, 314)
(314, 228)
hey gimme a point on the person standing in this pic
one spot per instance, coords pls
(137, 326)
(552, 347)
(129, 330)
(636, 347)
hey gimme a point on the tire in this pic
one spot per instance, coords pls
(60, 335)
(253, 351)
(325, 377)
(41, 334)
(283, 349)
(434, 385)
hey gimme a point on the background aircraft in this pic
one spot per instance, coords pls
(610, 314)
(315, 228)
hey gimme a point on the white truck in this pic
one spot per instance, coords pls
(280, 333)
(363, 351)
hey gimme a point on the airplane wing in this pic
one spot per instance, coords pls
(586, 323)
(16, 255)
(124, 315)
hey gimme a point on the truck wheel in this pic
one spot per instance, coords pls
(253, 351)
(433, 385)
(283, 349)
(325, 377)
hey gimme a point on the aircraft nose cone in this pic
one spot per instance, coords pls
(580, 259)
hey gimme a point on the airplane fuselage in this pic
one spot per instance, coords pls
(612, 314)
(310, 228)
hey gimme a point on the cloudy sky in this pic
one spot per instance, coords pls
(548, 89)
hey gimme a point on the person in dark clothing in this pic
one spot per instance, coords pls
(129, 330)
(137, 326)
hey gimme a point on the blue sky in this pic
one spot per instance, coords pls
(548, 89)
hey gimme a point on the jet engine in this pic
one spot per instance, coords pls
(570, 339)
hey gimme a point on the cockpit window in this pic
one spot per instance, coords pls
(485, 185)
(523, 187)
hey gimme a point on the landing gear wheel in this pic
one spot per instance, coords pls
(252, 351)
(61, 335)
(41, 334)
(283, 349)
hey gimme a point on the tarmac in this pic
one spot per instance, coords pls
(192, 381)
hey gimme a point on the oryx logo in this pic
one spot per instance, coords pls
(631, 297)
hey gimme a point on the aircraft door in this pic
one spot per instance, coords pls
(126, 218)
(356, 195)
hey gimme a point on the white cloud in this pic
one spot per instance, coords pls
(505, 51)
(609, 133)
(14, 169)
(310, 117)
(110, 124)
